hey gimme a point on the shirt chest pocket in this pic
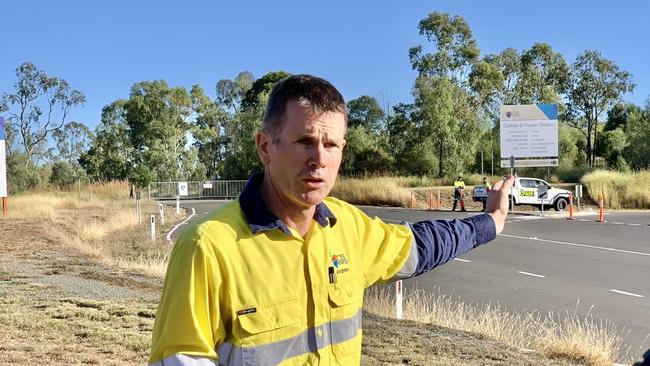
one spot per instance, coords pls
(345, 294)
(267, 322)
(345, 300)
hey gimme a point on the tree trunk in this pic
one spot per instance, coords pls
(28, 152)
(589, 143)
(593, 156)
(441, 169)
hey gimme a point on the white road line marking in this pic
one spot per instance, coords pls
(635, 224)
(169, 234)
(462, 260)
(526, 218)
(576, 245)
(531, 274)
(583, 220)
(617, 223)
(625, 293)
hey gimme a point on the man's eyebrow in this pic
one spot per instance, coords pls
(308, 136)
(313, 137)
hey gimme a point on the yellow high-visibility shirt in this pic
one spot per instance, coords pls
(459, 184)
(249, 294)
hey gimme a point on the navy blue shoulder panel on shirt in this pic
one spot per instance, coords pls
(439, 241)
(260, 218)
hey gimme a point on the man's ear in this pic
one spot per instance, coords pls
(262, 141)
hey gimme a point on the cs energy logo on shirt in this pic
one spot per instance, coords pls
(339, 261)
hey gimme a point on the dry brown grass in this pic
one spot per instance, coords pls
(152, 264)
(62, 253)
(396, 191)
(621, 190)
(579, 338)
(371, 191)
(102, 225)
(557, 335)
(98, 228)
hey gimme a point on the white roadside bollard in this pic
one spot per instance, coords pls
(398, 299)
(178, 205)
(153, 227)
(161, 207)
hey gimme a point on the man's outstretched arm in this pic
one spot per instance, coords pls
(438, 241)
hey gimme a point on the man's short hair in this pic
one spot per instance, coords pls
(310, 91)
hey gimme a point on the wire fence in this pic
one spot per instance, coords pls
(221, 189)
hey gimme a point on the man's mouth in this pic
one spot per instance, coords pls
(313, 181)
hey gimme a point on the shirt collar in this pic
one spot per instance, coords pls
(259, 216)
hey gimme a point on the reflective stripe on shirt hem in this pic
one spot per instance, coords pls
(309, 341)
(185, 360)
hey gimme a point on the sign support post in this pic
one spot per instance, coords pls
(3, 170)
(512, 196)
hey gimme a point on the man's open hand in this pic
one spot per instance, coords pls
(497, 203)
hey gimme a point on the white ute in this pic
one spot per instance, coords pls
(526, 192)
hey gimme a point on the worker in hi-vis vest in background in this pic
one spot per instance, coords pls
(459, 193)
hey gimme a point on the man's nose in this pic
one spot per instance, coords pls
(317, 158)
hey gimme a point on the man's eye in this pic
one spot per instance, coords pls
(331, 145)
(305, 141)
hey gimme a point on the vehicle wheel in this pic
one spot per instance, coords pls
(561, 204)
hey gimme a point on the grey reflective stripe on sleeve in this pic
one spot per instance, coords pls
(309, 341)
(411, 265)
(185, 360)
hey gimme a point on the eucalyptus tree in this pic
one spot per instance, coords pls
(596, 84)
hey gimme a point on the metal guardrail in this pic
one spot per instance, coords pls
(223, 189)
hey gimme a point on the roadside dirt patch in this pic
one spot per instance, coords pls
(60, 305)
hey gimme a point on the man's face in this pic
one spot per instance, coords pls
(304, 160)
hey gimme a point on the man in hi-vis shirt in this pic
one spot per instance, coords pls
(277, 277)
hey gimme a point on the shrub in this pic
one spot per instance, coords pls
(572, 174)
(63, 174)
(22, 175)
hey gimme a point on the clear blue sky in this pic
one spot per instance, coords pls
(361, 46)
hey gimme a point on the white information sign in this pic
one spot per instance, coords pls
(207, 185)
(3, 162)
(182, 189)
(529, 131)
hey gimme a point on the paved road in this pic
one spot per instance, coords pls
(547, 264)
